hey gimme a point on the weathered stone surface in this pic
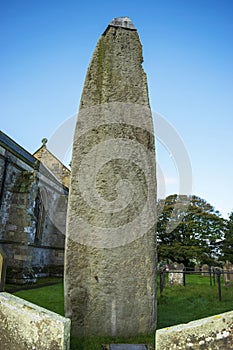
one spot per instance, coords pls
(110, 258)
(210, 333)
(115, 73)
(176, 275)
(33, 205)
(61, 172)
(25, 326)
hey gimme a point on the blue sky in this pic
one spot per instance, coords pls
(46, 47)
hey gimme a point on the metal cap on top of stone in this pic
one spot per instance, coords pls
(110, 255)
(124, 22)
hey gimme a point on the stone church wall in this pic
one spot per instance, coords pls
(32, 214)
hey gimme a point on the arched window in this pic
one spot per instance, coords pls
(40, 213)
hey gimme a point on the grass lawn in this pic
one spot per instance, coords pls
(176, 305)
(50, 297)
(196, 300)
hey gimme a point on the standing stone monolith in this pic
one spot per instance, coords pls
(110, 256)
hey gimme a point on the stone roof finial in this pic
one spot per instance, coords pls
(44, 141)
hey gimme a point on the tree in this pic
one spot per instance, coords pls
(227, 248)
(189, 229)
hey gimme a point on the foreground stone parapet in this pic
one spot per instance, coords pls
(25, 326)
(214, 332)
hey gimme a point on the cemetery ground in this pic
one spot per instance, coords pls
(176, 305)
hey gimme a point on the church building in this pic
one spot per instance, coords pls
(33, 203)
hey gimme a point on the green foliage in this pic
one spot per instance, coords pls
(227, 248)
(189, 229)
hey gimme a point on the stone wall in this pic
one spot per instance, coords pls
(209, 333)
(33, 213)
(25, 326)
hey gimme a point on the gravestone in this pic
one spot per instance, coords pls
(205, 271)
(110, 255)
(176, 274)
(228, 272)
(3, 266)
(197, 268)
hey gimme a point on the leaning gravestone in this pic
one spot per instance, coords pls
(176, 274)
(3, 266)
(110, 256)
